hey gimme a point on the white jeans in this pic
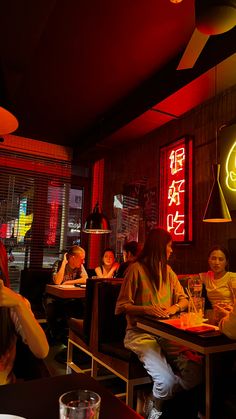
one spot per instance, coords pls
(166, 383)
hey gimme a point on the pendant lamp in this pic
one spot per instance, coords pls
(97, 222)
(216, 210)
(8, 122)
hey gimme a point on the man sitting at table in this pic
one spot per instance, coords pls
(68, 271)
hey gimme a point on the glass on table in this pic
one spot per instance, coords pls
(196, 308)
(195, 286)
(184, 319)
(79, 404)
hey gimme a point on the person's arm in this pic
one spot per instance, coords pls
(227, 324)
(81, 280)
(180, 300)
(98, 272)
(114, 268)
(32, 331)
(125, 302)
(59, 275)
(152, 310)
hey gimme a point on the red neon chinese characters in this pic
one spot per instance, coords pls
(176, 189)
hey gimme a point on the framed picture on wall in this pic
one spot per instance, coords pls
(176, 188)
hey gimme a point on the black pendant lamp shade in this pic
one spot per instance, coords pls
(97, 222)
(216, 209)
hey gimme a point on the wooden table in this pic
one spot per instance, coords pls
(65, 291)
(38, 399)
(207, 344)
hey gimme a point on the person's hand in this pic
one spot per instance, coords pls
(156, 311)
(222, 310)
(65, 260)
(172, 310)
(8, 298)
(115, 266)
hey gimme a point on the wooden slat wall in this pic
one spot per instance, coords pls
(141, 159)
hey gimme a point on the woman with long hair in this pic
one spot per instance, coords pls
(219, 282)
(152, 288)
(109, 266)
(16, 320)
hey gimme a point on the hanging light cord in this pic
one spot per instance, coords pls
(217, 130)
(216, 133)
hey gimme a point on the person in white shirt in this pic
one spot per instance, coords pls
(219, 282)
(69, 271)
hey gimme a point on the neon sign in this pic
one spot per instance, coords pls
(176, 189)
(230, 168)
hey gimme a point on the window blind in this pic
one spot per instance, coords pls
(34, 208)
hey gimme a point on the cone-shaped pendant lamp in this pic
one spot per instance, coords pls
(97, 222)
(216, 209)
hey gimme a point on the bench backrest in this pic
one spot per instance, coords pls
(111, 327)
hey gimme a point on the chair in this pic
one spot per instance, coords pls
(108, 331)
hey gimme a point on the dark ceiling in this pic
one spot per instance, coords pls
(77, 73)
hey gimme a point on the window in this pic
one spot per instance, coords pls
(40, 215)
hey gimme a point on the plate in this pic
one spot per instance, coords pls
(6, 416)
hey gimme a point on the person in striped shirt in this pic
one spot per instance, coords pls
(152, 288)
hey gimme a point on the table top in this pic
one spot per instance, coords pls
(38, 399)
(205, 343)
(65, 291)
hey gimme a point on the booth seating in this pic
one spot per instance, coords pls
(80, 332)
(183, 279)
(105, 343)
(111, 352)
(32, 286)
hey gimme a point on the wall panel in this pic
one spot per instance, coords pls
(130, 163)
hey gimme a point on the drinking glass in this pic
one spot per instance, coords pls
(195, 286)
(184, 319)
(196, 310)
(79, 404)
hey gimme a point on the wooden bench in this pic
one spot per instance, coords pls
(105, 341)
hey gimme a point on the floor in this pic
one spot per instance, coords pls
(54, 364)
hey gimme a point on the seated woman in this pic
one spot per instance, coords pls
(152, 288)
(109, 265)
(16, 319)
(218, 281)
